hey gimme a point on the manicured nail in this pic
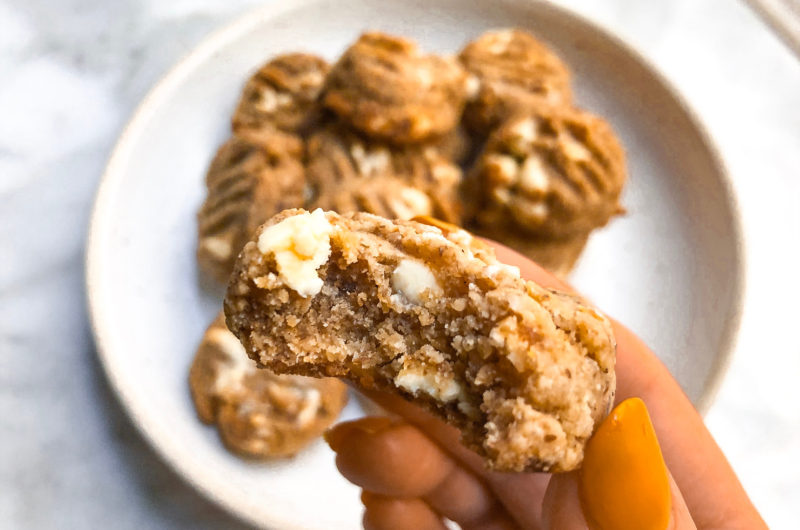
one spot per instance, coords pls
(337, 435)
(623, 481)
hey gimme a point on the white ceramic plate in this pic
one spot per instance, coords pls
(671, 269)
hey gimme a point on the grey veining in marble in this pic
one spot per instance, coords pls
(72, 71)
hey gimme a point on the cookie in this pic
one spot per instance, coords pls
(258, 414)
(254, 175)
(347, 173)
(282, 94)
(510, 70)
(386, 88)
(553, 172)
(525, 373)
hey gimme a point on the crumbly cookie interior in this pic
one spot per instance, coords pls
(524, 372)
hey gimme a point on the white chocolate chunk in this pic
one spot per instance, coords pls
(370, 162)
(533, 175)
(239, 364)
(431, 383)
(217, 246)
(411, 202)
(411, 278)
(574, 149)
(300, 244)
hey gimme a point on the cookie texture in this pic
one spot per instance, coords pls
(385, 87)
(254, 175)
(524, 372)
(511, 70)
(553, 172)
(346, 172)
(258, 414)
(282, 94)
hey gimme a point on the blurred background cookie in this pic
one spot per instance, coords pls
(548, 178)
(282, 94)
(386, 88)
(510, 70)
(346, 172)
(254, 175)
(258, 414)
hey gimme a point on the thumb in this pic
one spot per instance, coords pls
(623, 483)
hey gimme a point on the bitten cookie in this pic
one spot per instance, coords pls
(282, 94)
(524, 372)
(258, 414)
(553, 172)
(348, 173)
(386, 88)
(254, 175)
(510, 70)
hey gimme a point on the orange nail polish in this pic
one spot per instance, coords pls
(623, 481)
(336, 435)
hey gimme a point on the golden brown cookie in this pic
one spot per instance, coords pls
(553, 172)
(510, 70)
(347, 173)
(386, 88)
(524, 372)
(282, 94)
(258, 414)
(254, 175)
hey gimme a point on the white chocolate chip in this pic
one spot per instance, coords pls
(419, 380)
(412, 278)
(411, 202)
(269, 100)
(506, 167)
(526, 130)
(311, 401)
(369, 162)
(300, 244)
(574, 149)
(533, 175)
(216, 246)
(472, 86)
(239, 364)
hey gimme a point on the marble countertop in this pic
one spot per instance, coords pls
(73, 71)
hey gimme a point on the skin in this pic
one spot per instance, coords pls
(414, 472)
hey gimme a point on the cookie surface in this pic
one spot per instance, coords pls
(553, 172)
(524, 372)
(254, 175)
(282, 94)
(511, 70)
(258, 414)
(347, 173)
(386, 88)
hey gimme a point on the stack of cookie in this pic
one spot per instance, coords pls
(488, 140)
(390, 130)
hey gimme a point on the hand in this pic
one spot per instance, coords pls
(414, 472)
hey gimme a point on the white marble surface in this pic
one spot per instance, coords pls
(72, 71)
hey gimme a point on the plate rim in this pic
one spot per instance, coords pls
(120, 153)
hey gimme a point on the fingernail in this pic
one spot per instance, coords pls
(623, 482)
(336, 436)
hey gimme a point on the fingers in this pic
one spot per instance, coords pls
(519, 493)
(387, 457)
(387, 513)
(396, 463)
(623, 484)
